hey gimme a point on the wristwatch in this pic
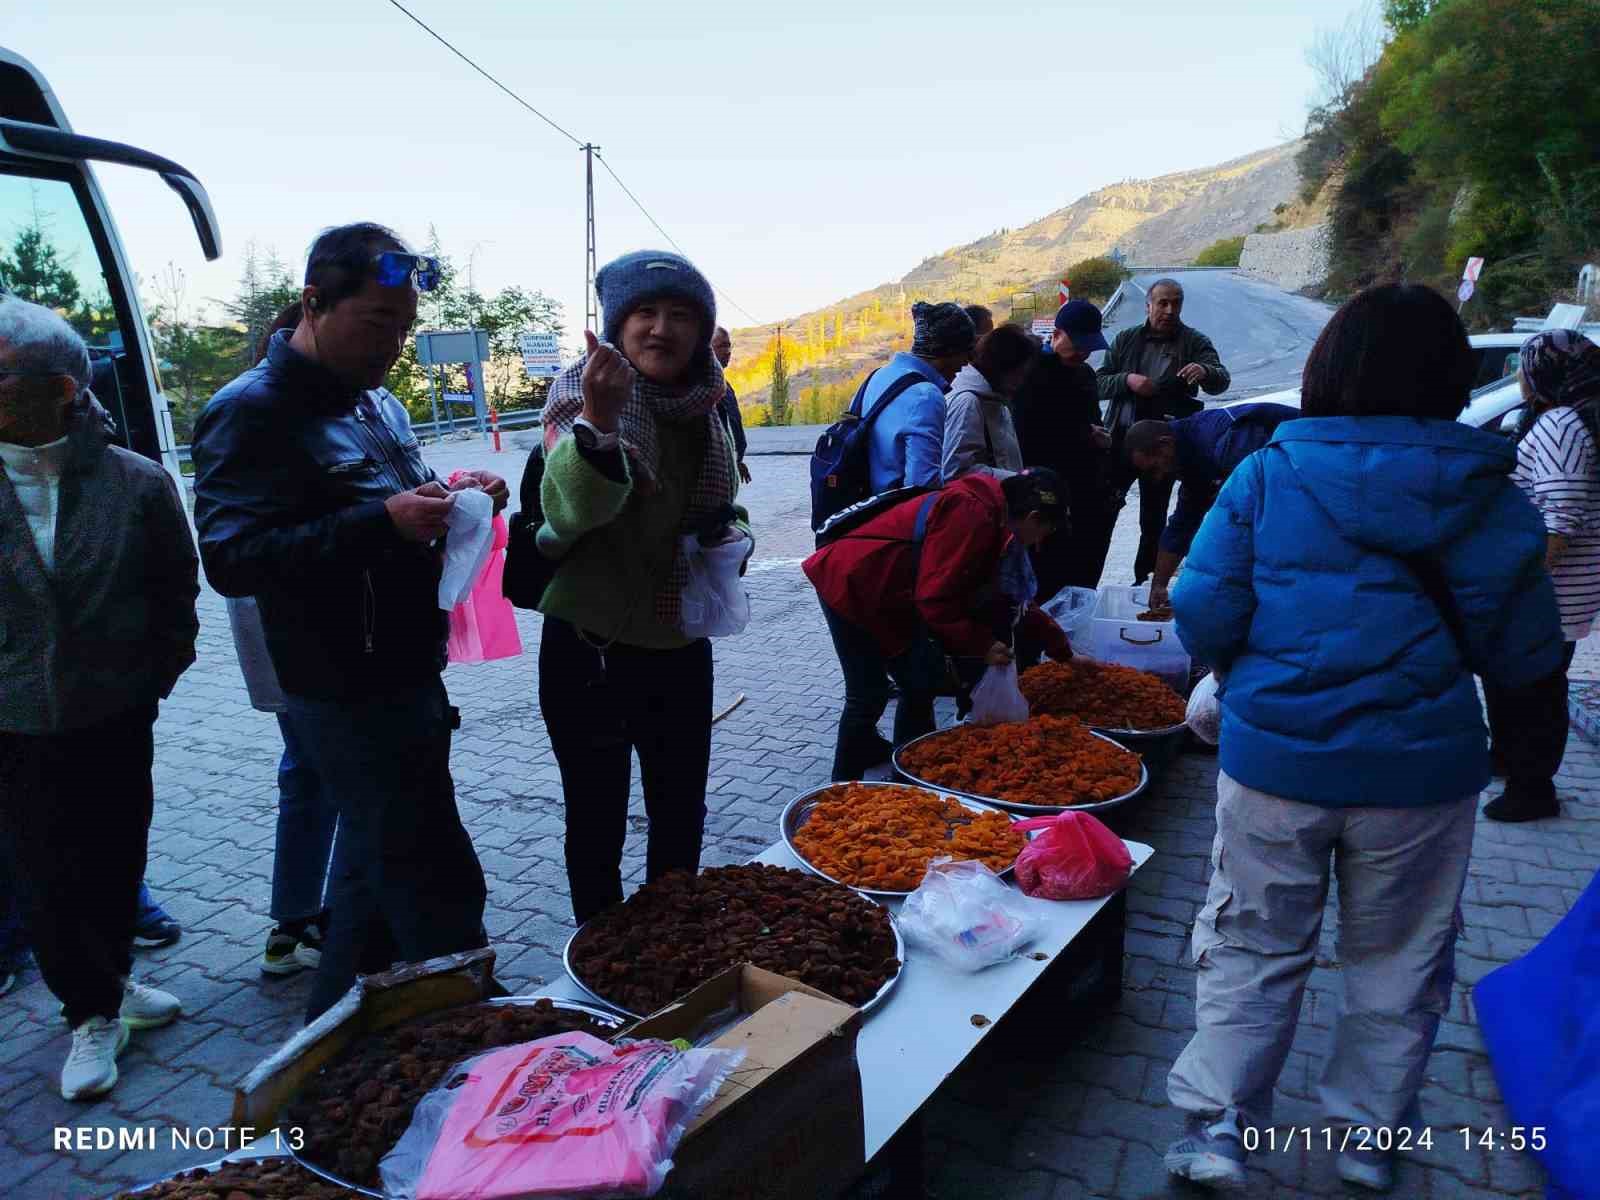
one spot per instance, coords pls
(590, 437)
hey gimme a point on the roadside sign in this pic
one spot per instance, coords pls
(541, 355)
(1474, 269)
(1464, 292)
(452, 346)
(1043, 327)
(1066, 291)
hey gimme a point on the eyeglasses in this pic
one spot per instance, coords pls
(392, 269)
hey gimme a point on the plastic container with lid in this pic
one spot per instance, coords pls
(1115, 634)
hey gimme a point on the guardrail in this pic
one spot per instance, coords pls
(519, 419)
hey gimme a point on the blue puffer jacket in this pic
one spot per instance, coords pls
(1344, 686)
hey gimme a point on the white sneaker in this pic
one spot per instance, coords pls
(91, 1067)
(147, 1007)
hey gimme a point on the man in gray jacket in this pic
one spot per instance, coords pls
(1154, 372)
(98, 579)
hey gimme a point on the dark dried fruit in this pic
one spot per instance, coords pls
(354, 1110)
(257, 1179)
(672, 935)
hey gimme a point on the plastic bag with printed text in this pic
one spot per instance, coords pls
(966, 914)
(564, 1116)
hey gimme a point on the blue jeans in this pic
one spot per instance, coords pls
(920, 673)
(306, 823)
(408, 885)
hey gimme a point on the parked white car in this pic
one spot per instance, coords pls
(1495, 402)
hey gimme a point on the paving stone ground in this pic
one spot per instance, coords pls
(1058, 1112)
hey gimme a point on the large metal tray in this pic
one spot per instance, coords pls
(799, 810)
(878, 997)
(1036, 810)
(605, 1014)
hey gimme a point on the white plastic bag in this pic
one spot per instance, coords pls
(714, 600)
(1204, 715)
(997, 699)
(965, 913)
(471, 522)
(567, 1115)
(1071, 609)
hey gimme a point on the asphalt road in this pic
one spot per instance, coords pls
(1263, 334)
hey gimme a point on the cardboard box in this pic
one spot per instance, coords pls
(788, 1124)
(375, 1002)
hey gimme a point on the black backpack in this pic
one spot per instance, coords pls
(848, 520)
(840, 468)
(527, 571)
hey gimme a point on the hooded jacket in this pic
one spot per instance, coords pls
(875, 578)
(979, 437)
(1344, 686)
(292, 469)
(113, 625)
(906, 444)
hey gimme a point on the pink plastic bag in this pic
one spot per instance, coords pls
(1075, 858)
(568, 1115)
(484, 625)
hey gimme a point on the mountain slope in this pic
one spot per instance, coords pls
(1153, 222)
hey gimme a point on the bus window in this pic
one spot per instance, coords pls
(48, 256)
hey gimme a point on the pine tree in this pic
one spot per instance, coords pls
(778, 403)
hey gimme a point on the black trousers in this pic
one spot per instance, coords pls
(408, 886)
(76, 813)
(602, 707)
(1155, 499)
(1528, 727)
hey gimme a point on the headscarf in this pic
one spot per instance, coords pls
(638, 432)
(1563, 370)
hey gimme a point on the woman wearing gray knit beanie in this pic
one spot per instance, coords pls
(636, 459)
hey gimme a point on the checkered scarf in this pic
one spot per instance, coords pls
(638, 433)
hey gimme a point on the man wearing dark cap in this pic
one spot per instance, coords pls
(1058, 416)
(906, 444)
(1153, 372)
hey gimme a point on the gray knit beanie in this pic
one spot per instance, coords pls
(940, 329)
(625, 283)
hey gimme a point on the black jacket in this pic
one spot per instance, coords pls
(734, 420)
(1055, 409)
(1176, 399)
(292, 469)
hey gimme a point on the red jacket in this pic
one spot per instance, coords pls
(866, 576)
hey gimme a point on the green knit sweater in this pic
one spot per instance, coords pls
(616, 545)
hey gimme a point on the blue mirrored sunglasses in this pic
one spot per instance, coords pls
(392, 268)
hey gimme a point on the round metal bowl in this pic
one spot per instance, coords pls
(603, 1014)
(878, 997)
(1032, 810)
(798, 811)
(1157, 747)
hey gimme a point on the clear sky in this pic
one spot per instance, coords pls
(798, 153)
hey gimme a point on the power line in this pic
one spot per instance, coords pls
(575, 141)
(754, 320)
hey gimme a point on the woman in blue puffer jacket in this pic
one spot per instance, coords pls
(1349, 573)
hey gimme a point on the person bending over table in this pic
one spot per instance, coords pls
(1200, 452)
(937, 575)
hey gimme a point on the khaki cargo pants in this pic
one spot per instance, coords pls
(1400, 873)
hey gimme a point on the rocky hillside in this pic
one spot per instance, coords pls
(1153, 222)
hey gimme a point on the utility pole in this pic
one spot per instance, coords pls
(591, 314)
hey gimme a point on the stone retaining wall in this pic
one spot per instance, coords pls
(1292, 260)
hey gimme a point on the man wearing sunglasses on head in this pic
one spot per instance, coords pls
(311, 495)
